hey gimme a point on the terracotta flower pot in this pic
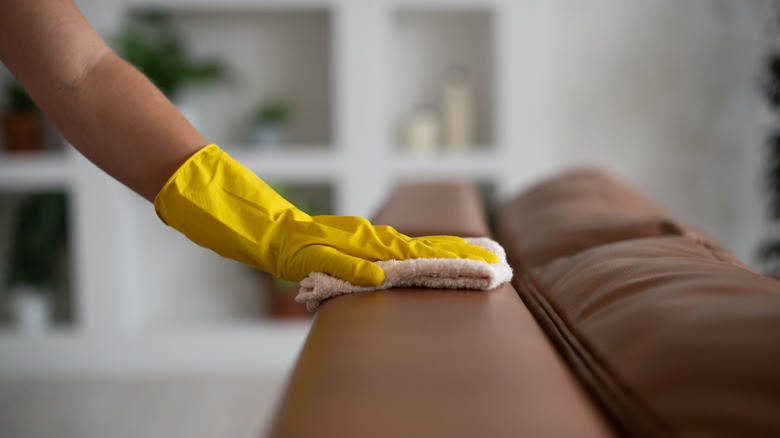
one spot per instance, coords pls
(22, 131)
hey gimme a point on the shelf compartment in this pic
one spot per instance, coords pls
(474, 165)
(26, 171)
(270, 54)
(35, 258)
(431, 46)
(259, 346)
(228, 5)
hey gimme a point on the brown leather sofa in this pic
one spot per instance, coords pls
(621, 322)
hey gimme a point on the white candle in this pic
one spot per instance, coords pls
(457, 109)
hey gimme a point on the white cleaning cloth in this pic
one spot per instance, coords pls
(423, 272)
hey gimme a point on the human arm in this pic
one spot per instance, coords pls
(103, 106)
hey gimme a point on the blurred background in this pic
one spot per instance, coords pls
(335, 102)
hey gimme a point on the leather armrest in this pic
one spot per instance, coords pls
(432, 363)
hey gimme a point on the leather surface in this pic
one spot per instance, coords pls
(422, 363)
(433, 363)
(671, 338)
(574, 211)
(670, 332)
(425, 209)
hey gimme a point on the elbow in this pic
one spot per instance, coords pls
(81, 68)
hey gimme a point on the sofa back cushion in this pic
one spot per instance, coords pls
(582, 209)
(670, 338)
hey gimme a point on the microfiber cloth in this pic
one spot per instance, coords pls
(430, 273)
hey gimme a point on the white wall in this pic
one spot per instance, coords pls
(664, 94)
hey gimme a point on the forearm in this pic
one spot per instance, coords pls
(103, 106)
(125, 125)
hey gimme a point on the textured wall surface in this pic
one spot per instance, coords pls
(664, 93)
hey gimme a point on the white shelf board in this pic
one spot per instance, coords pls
(449, 5)
(35, 170)
(264, 346)
(229, 5)
(478, 163)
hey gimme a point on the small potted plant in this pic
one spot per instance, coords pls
(269, 123)
(22, 124)
(40, 236)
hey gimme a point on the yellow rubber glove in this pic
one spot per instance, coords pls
(221, 205)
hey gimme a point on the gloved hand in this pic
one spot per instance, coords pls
(221, 205)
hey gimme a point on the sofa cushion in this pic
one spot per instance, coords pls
(669, 337)
(577, 210)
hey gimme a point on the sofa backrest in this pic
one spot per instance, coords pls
(669, 331)
(580, 209)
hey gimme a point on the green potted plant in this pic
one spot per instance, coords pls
(269, 123)
(153, 45)
(21, 120)
(40, 236)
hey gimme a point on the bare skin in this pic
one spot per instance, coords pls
(102, 105)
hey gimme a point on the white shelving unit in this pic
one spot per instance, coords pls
(147, 299)
(39, 171)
